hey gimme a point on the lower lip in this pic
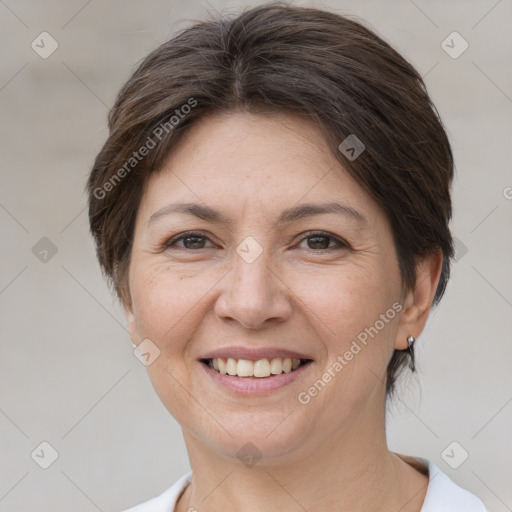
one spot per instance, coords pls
(255, 385)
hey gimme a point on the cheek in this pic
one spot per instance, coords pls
(167, 308)
(345, 300)
(166, 303)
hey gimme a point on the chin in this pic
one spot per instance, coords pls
(269, 437)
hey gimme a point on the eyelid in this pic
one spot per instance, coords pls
(338, 240)
(180, 236)
(341, 243)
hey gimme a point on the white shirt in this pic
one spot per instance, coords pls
(443, 495)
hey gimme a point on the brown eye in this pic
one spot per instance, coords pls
(190, 241)
(322, 241)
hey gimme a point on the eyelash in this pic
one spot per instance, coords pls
(341, 243)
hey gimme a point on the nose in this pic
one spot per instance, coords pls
(254, 294)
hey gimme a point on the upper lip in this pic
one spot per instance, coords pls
(253, 354)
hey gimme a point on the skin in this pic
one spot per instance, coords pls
(196, 296)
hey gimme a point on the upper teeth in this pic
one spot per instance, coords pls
(260, 368)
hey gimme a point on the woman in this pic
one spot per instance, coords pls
(272, 207)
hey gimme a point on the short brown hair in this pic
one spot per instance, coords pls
(283, 58)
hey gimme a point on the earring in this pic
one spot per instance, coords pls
(410, 347)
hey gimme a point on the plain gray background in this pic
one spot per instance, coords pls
(67, 369)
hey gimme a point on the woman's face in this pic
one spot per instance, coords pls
(270, 280)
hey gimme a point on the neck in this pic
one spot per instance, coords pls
(353, 470)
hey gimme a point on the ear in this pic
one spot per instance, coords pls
(419, 300)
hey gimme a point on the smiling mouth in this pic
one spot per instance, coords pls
(260, 369)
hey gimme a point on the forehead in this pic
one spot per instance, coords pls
(255, 161)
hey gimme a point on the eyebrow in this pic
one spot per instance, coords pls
(287, 216)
